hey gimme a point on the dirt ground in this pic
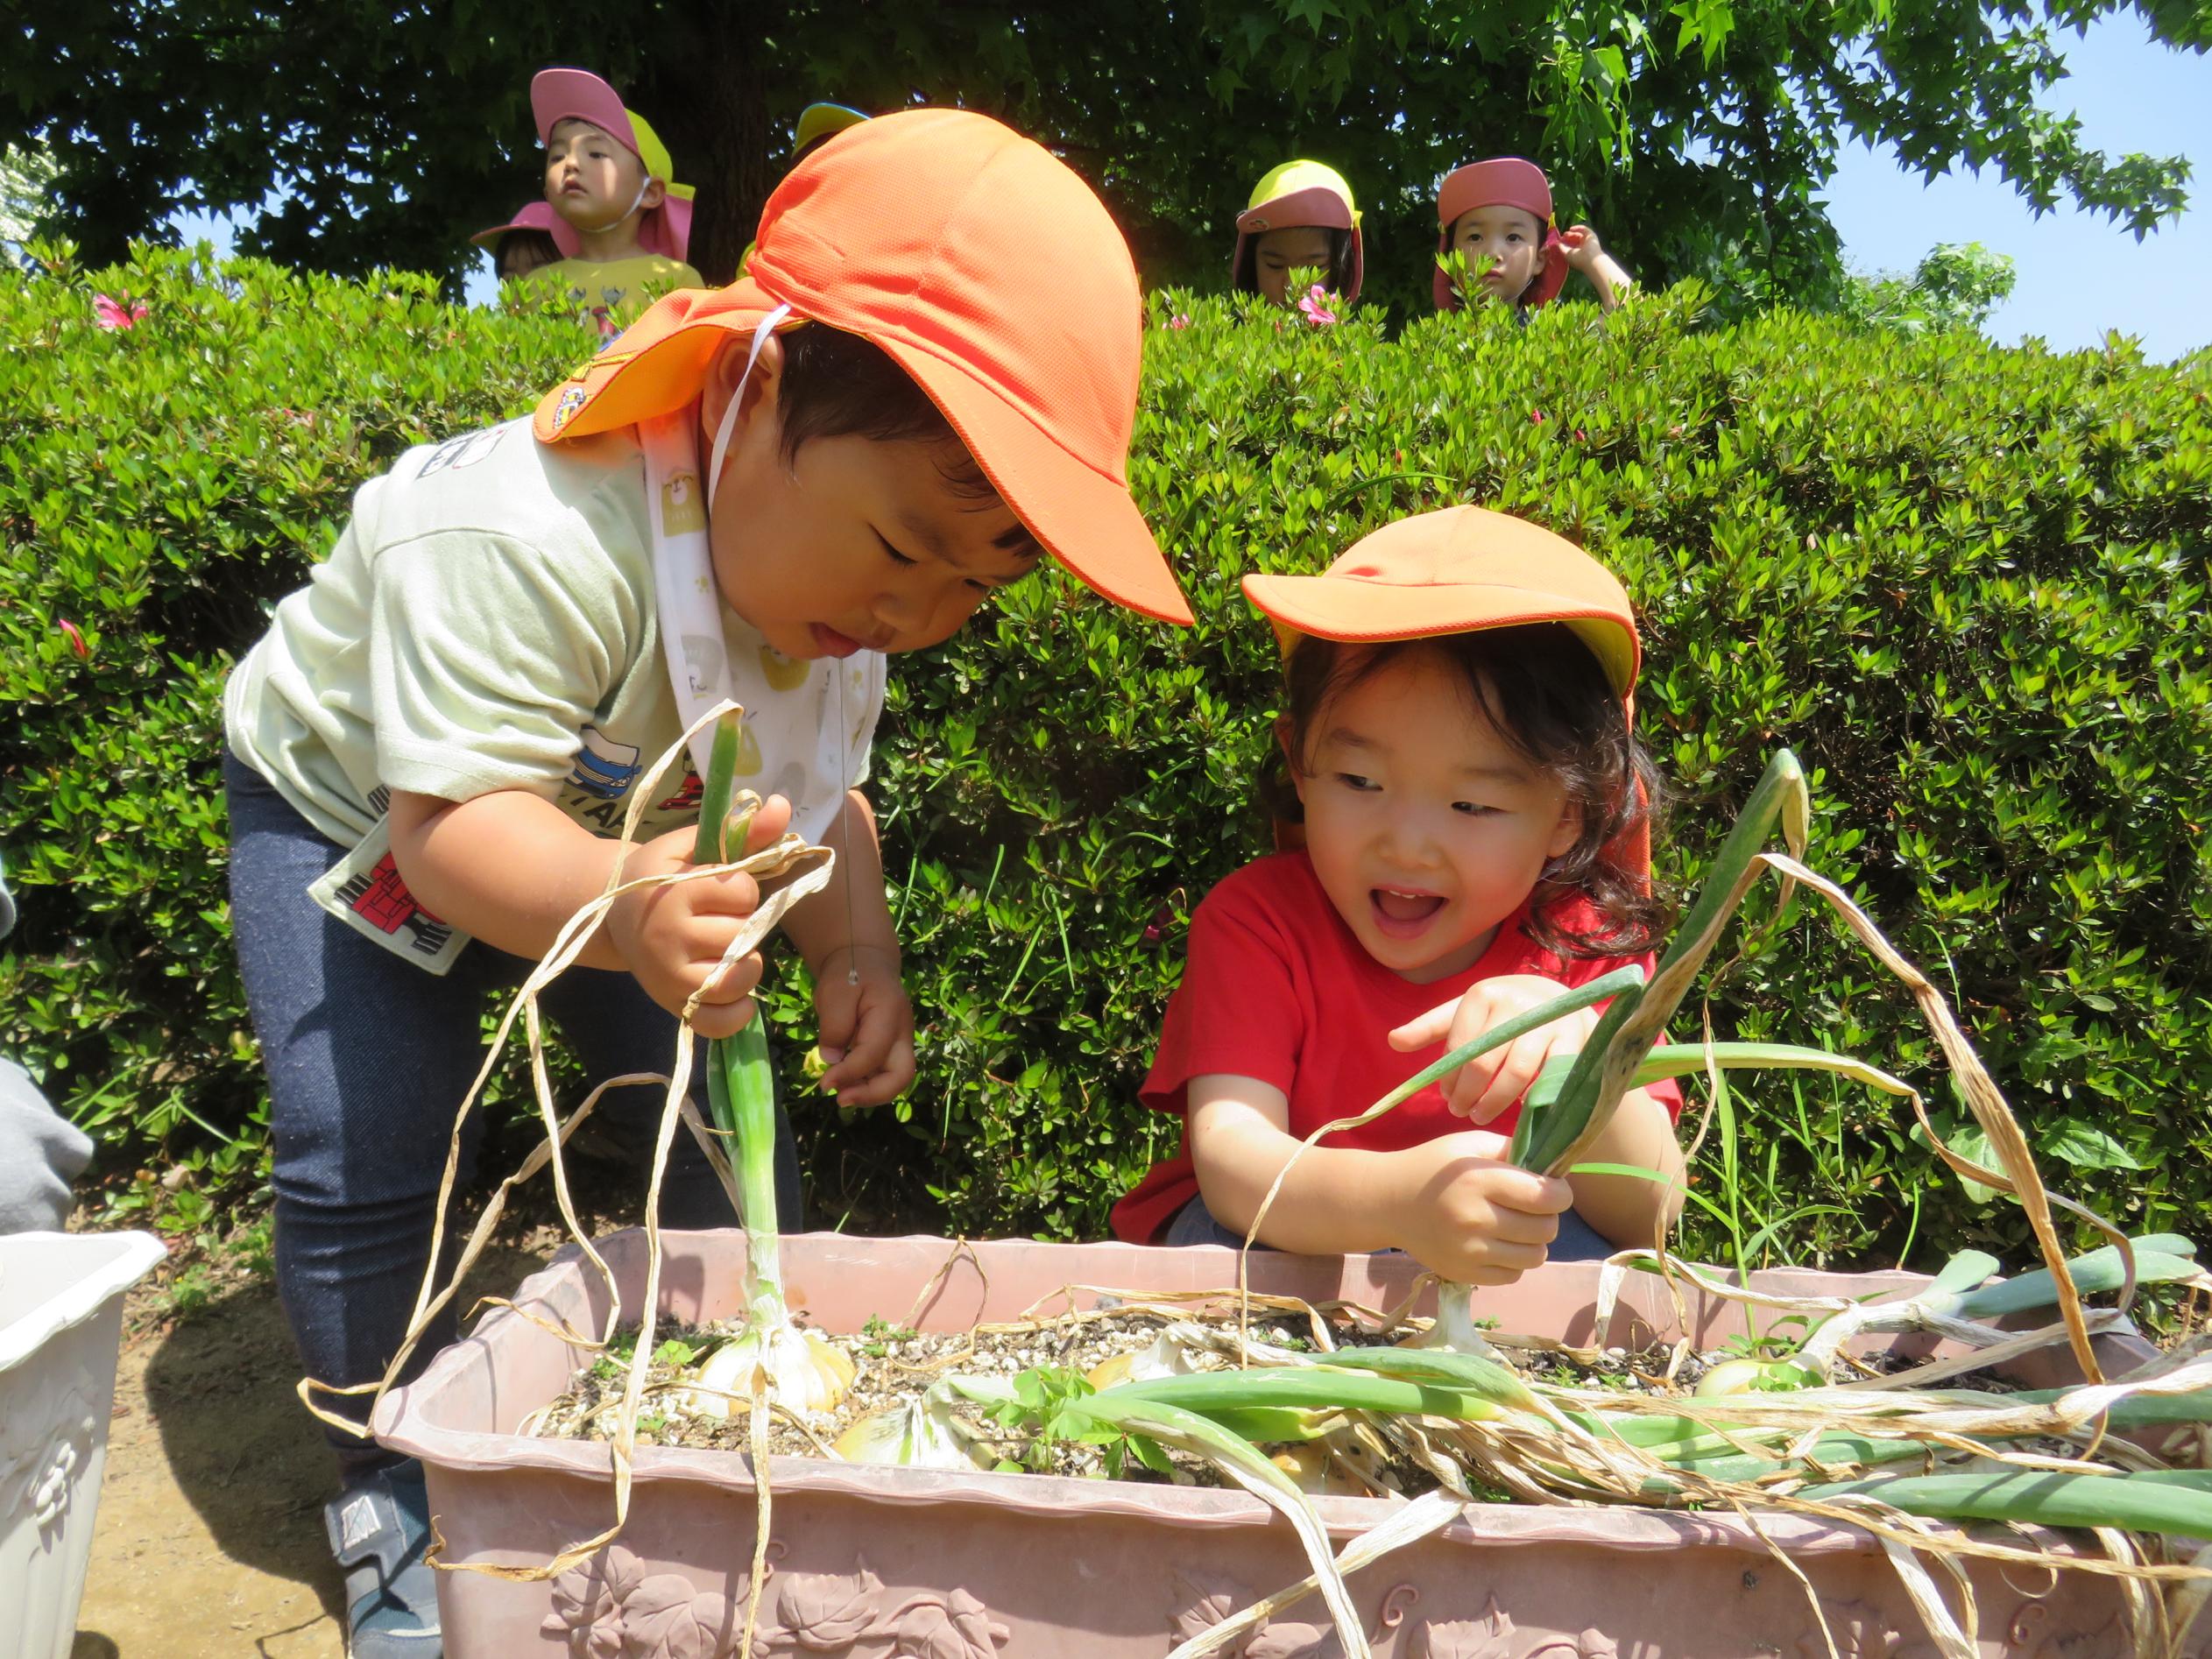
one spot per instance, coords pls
(209, 1540)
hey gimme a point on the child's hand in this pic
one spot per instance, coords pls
(672, 937)
(1471, 1217)
(1583, 249)
(867, 1029)
(1488, 1083)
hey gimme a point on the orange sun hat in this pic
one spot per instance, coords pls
(990, 273)
(1457, 570)
(1462, 570)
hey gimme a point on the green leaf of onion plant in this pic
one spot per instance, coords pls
(804, 1372)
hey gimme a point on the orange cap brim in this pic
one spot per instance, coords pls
(1368, 613)
(1064, 503)
(660, 364)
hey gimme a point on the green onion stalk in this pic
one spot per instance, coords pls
(804, 1372)
(1570, 1102)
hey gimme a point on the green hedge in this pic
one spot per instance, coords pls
(1966, 583)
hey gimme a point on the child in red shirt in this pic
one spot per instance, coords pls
(1475, 822)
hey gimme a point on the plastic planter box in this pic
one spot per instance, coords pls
(60, 1329)
(887, 1563)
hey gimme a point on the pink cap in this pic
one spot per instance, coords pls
(1503, 181)
(532, 216)
(564, 95)
(578, 95)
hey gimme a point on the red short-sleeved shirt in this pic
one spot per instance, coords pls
(1278, 988)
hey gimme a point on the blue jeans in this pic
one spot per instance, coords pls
(368, 1058)
(1194, 1225)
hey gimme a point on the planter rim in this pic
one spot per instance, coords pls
(118, 1260)
(402, 1423)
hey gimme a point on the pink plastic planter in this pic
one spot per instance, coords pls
(879, 1564)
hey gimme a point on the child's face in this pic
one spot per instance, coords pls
(590, 179)
(856, 543)
(1278, 253)
(1513, 237)
(1424, 826)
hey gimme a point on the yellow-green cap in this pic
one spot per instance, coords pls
(1299, 193)
(659, 163)
(1297, 179)
(818, 121)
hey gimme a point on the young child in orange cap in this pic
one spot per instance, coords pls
(610, 179)
(925, 387)
(1501, 209)
(1473, 805)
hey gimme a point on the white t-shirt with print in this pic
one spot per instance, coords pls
(486, 621)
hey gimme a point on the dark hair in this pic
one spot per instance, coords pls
(1545, 693)
(837, 384)
(537, 242)
(1246, 278)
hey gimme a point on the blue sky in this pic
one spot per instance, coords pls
(2077, 274)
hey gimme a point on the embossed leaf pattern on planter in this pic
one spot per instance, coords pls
(1295, 1642)
(957, 1628)
(667, 1617)
(1591, 1644)
(825, 1612)
(1860, 1632)
(1484, 1638)
(1206, 1600)
(43, 1446)
(2110, 1642)
(586, 1603)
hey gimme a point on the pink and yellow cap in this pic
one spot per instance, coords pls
(578, 95)
(1298, 193)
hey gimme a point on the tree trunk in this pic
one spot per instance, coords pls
(714, 83)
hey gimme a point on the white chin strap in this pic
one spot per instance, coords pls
(596, 229)
(728, 428)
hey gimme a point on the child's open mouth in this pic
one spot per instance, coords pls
(1403, 913)
(834, 644)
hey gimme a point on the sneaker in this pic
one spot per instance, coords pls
(379, 1528)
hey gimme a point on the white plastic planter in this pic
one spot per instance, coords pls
(60, 1330)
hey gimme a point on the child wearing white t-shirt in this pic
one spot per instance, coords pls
(756, 495)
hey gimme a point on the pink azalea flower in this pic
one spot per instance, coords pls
(112, 314)
(1316, 306)
(69, 628)
(1179, 320)
(1535, 417)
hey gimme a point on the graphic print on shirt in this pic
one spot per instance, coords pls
(686, 798)
(603, 767)
(463, 451)
(381, 899)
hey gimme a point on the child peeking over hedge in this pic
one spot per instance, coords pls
(1501, 210)
(611, 181)
(1475, 815)
(926, 386)
(534, 238)
(1300, 218)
